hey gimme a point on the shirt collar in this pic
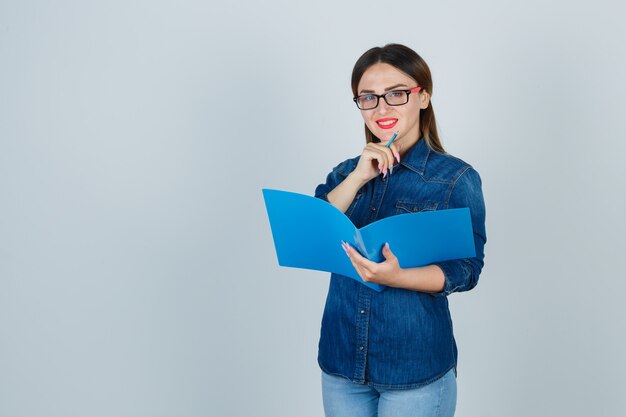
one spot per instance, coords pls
(416, 158)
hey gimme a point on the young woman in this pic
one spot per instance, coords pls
(392, 353)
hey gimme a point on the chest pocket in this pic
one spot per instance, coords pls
(403, 207)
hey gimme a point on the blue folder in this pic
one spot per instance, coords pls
(308, 232)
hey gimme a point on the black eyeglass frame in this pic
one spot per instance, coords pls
(384, 97)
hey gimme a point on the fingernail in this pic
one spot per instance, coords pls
(385, 173)
(390, 170)
(398, 156)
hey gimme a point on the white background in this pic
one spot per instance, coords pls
(137, 272)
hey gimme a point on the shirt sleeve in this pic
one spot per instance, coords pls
(462, 274)
(333, 179)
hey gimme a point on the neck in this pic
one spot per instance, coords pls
(406, 146)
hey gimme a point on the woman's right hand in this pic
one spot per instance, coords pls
(376, 159)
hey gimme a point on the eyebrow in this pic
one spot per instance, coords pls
(386, 89)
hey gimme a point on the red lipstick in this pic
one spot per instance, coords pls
(387, 122)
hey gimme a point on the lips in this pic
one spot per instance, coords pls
(386, 123)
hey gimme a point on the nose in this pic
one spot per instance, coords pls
(383, 107)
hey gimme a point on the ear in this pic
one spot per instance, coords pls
(424, 99)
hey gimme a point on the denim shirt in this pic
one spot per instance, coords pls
(397, 338)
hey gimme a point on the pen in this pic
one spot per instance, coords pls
(388, 145)
(392, 139)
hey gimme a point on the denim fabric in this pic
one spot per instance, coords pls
(343, 398)
(400, 339)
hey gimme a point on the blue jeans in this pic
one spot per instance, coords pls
(343, 397)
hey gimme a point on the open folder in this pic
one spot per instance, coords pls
(308, 232)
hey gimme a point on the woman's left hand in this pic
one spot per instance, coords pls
(385, 273)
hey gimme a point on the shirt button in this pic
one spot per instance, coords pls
(373, 209)
(360, 347)
(362, 311)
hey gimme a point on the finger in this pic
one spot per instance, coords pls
(359, 259)
(353, 254)
(360, 270)
(374, 150)
(373, 154)
(356, 266)
(396, 151)
(382, 162)
(387, 253)
(388, 154)
(384, 156)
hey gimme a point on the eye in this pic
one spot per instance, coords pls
(368, 97)
(395, 94)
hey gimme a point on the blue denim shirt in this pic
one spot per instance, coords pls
(400, 338)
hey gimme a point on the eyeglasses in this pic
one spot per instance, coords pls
(392, 98)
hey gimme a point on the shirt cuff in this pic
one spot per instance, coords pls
(456, 274)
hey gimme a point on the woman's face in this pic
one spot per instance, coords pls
(385, 120)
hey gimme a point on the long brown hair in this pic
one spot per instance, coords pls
(408, 61)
